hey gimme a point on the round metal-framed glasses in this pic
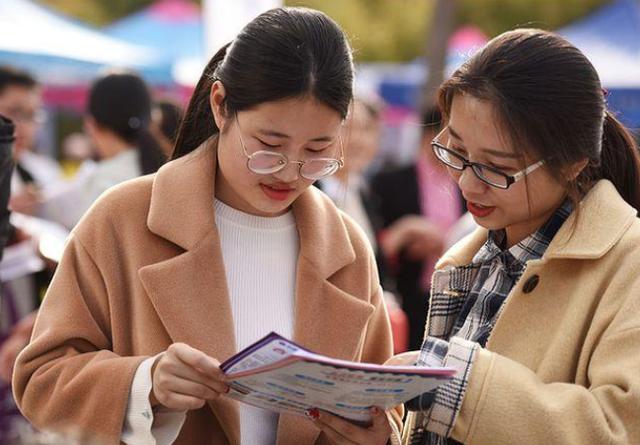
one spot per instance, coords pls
(265, 162)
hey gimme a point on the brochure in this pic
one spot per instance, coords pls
(277, 374)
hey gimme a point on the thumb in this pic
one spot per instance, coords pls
(379, 419)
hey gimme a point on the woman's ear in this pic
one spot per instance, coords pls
(572, 171)
(216, 101)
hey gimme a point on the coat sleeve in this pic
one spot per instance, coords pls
(508, 403)
(68, 378)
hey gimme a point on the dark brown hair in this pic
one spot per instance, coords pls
(283, 53)
(548, 97)
(121, 102)
(10, 76)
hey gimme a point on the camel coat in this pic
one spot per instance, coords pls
(144, 269)
(562, 365)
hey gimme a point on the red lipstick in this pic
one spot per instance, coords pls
(276, 193)
(479, 210)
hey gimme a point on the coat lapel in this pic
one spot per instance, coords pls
(328, 320)
(189, 291)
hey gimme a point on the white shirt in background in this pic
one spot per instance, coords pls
(67, 202)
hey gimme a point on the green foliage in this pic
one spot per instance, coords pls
(384, 30)
(379, 29)
(497, 16)
(98, 12)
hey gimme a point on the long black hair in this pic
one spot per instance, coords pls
(549, 98)
(121, 103)
(283, 53)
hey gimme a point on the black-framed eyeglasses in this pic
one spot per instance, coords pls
(489, 175)
(265, 162)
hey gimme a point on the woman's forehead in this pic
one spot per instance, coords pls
(294, 117)
(476, 123)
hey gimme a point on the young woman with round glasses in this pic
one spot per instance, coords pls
(171, 274)
(539, 309)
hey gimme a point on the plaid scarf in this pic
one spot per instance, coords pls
(466, 302)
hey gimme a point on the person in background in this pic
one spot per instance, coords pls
(117, 122)
(169, 274)
(8, 410)
(348, 188)
(21, 101)
(417, 205)
(166, 118)
(539, 309)
(350, 191)
(7, 138)
(119, 112)
(76, 149)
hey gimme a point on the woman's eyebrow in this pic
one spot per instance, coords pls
(500, 154)
(491, 151)
(277, 134)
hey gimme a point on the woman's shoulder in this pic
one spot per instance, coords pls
(125, 205)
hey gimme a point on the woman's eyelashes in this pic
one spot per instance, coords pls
(462, 152)
(269, 145)
(311, 150)
(499, 167)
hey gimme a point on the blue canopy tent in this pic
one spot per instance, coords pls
(63, 52)
(173, 28)
(610, 38)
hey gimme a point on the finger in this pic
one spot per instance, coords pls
(195, 358)
(334, 436)
(408, 358)
(213, 382)
(172, 367)
(189, 388)
(342, 428)
(180, 402)
(380, 422)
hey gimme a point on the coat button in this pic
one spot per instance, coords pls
(531, 284)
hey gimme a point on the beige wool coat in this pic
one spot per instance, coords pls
(143, 269)
(562, 365)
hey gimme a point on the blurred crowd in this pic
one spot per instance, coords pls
(126, 134)
(410, 213)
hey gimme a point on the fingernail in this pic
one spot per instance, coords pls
(313, 413)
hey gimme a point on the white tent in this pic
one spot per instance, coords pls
(59, 50)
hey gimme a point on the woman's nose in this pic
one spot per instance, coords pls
(469, 183)
(290, 173)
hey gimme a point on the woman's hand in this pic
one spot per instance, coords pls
(416, 235)
(26, 201)
(409, 358)
(185, 378)
(343, 432)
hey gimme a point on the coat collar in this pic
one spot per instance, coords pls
(599, 222)
(190, 293)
